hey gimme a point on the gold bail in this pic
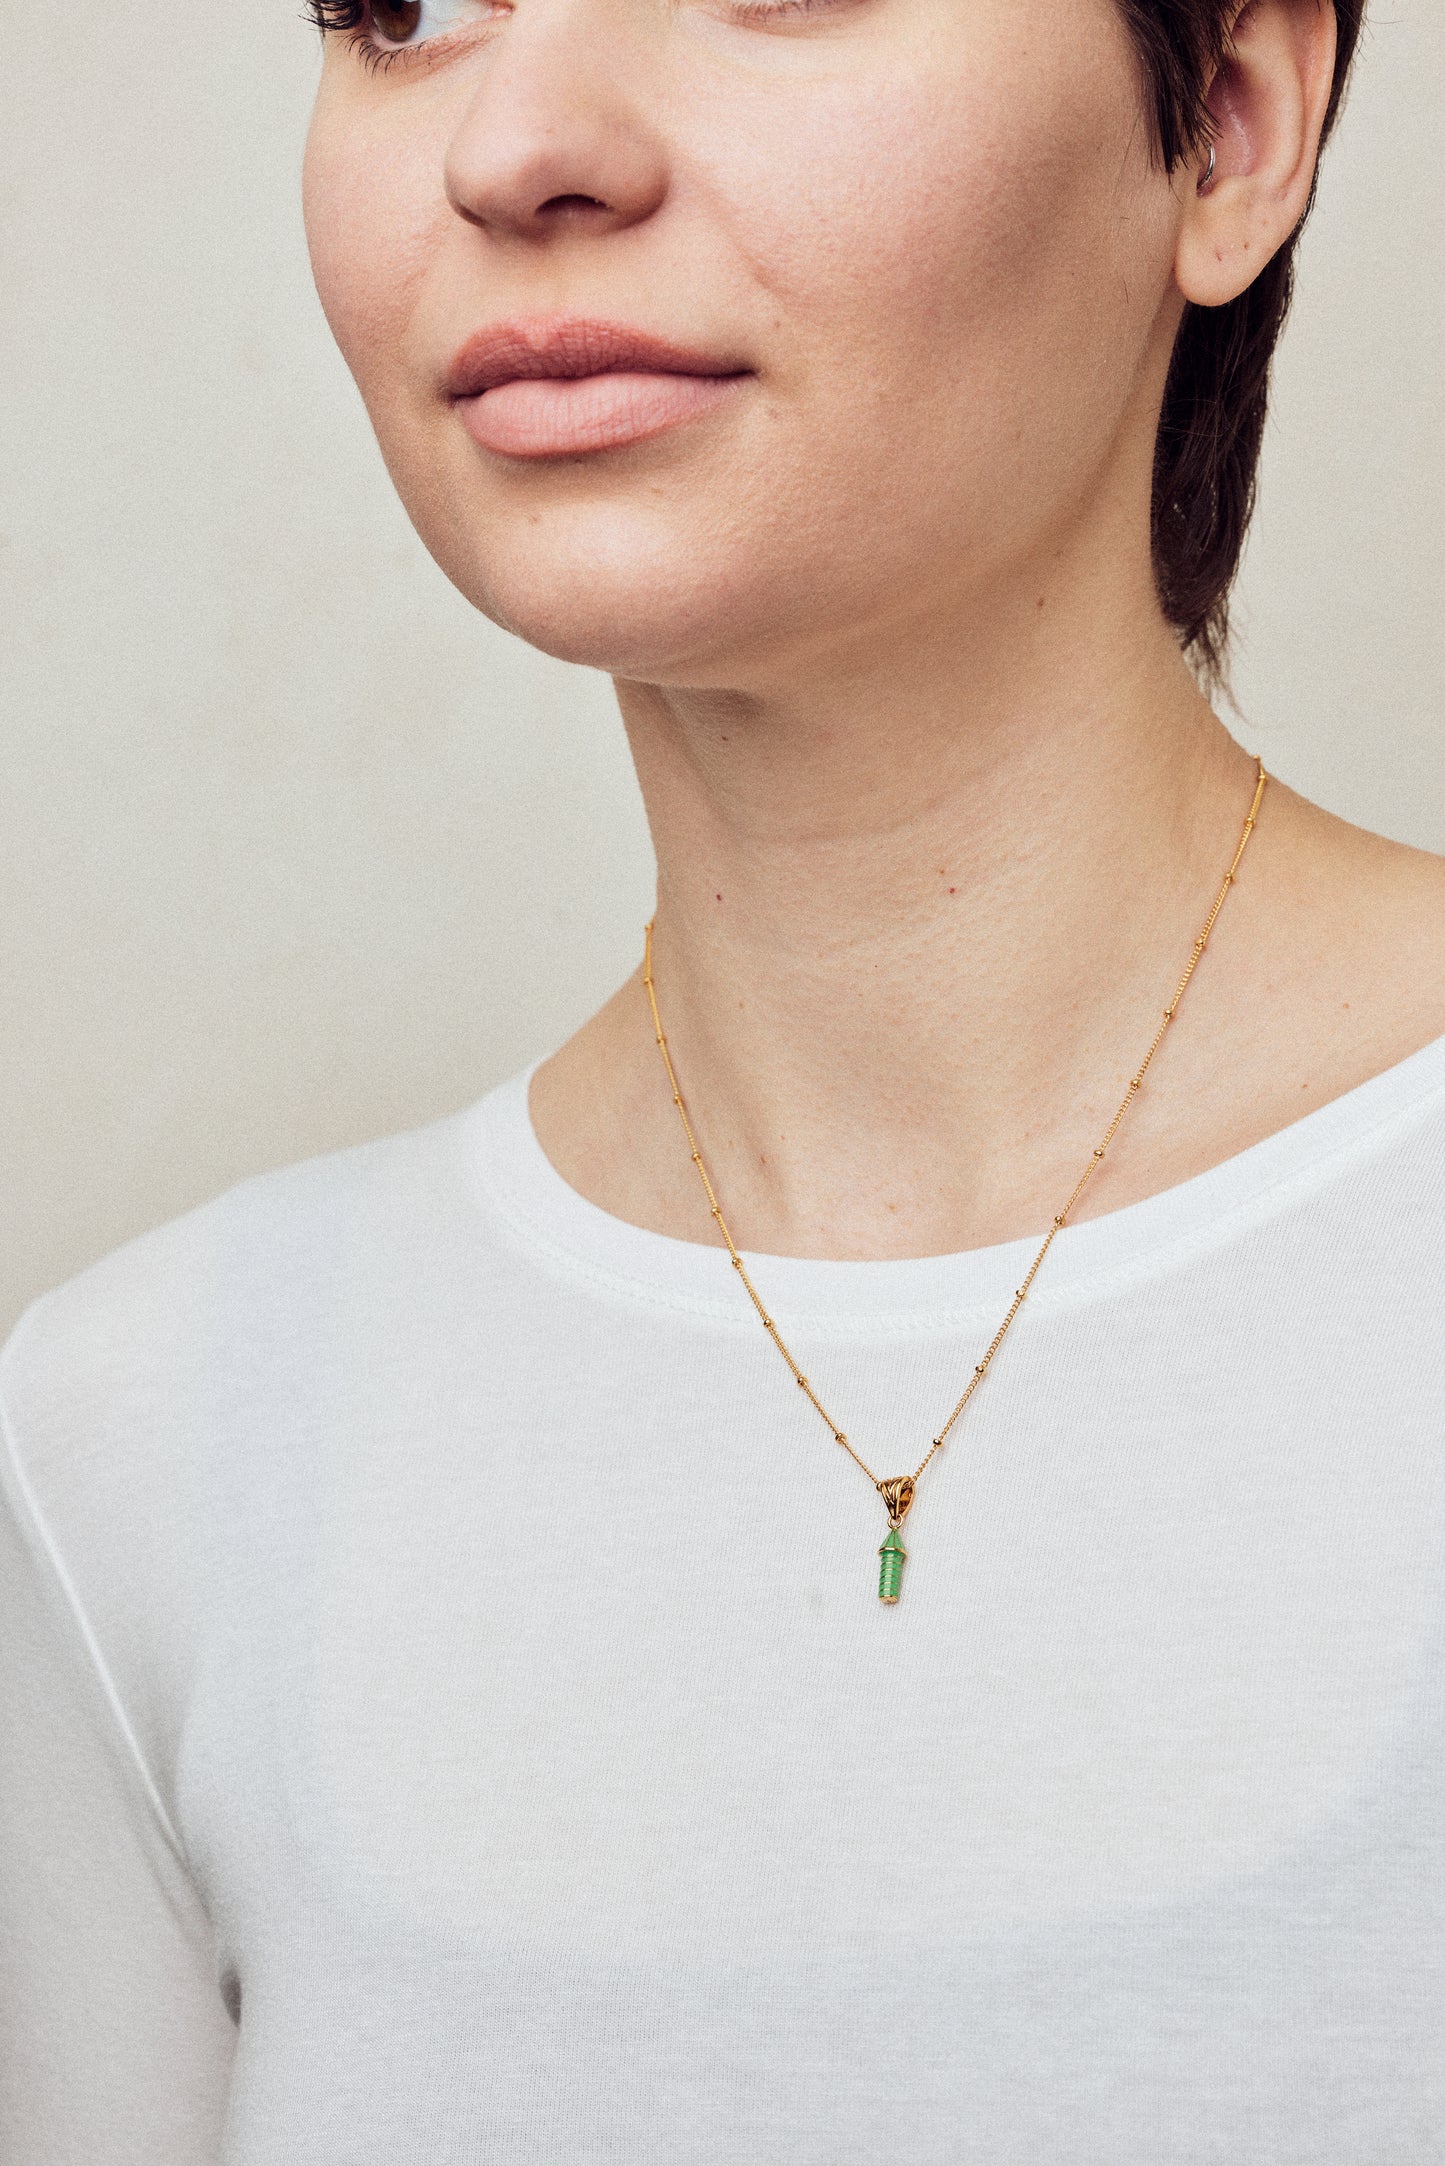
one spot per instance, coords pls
(897, 1494)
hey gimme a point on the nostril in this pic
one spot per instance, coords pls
(574, 203)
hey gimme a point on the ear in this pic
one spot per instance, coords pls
(1267, 106)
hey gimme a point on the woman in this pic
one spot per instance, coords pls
(451, 1713)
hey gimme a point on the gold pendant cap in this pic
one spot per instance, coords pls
(897, 1494)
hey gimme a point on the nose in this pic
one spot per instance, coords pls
(555, 138)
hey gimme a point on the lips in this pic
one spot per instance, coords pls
(563, 386)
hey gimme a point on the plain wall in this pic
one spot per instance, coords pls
(296, 847)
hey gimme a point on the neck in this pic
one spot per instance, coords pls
(903, 964)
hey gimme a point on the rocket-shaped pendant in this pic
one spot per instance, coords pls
(897, 1494)
(890, 1571)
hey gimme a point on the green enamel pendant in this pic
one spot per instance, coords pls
(897, 1494)
(890, 1569)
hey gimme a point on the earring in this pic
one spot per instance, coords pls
(1206, 179)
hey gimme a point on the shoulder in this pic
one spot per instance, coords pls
(185, 1327)
(1349, 934)
(173, 1417)
(1387, 895)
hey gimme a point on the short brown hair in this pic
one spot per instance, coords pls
(1206, 462)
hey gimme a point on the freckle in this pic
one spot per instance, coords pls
(719, 898)
(953, 891)
(1039, 603)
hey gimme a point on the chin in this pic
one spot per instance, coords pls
(618, 593)
(669, 568)
(649, 637)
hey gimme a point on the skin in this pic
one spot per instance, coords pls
(938, 808)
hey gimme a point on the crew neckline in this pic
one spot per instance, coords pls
(1096, 1256)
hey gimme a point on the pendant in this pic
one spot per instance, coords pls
(890, 1572)
(897, 1494)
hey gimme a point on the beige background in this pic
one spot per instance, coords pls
(296, 848)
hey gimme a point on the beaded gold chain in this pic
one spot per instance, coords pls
(897, 1490)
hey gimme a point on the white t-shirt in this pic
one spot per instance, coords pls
(449, 1716)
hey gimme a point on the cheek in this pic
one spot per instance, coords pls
(972, 260)
(371, 213)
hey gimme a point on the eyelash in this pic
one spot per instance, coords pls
(351, 15)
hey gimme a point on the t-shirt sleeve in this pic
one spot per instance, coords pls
(115, 2043)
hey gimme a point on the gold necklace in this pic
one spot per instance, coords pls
(897, 1491)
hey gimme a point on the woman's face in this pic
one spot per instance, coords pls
(916, 247)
